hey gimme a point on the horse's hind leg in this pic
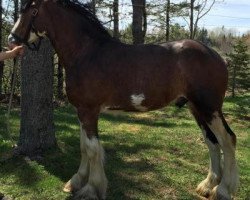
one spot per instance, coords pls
(227, 141)
(211, 115)
(214, 175)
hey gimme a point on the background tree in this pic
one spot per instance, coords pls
(116, 18)
(1, 33)
(60, 80)
(139, 24)
(168, 20)
(37, 132)
(194, 10)
(239, 68)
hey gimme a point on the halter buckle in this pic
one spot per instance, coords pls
(34, 12)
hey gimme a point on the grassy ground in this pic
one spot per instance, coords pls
(155, 155)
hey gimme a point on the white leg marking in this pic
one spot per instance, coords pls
(229, 181)
(136, 100)
(81, 177)
(97, 180)
(214, 174)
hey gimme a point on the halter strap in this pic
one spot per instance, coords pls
(24, 40)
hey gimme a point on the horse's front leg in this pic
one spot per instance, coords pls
(81, 177)
(90, 180)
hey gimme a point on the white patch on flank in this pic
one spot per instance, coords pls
(136, 100)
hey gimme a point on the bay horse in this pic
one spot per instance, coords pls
(103, 73)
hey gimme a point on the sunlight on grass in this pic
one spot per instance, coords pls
(154, 155)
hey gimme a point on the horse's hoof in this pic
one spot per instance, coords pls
(88, 192)
(203, 191)
(75, 183)
(68, 187)
(204, 188)
(218, 193)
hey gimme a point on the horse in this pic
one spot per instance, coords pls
(102, 73)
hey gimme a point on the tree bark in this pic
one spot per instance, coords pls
(15, 17)
(234, 81)
(1, 62)
(116, 18)
(93, 4)
(37, 132)
(192, 19)
(139, 24)
(168, 21)
(60, 95)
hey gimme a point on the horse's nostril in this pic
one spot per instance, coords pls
(12, 41)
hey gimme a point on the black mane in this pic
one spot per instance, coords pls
(84, 10)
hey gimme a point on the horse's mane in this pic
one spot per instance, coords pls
(84, 10)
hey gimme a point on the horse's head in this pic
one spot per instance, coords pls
(30, 26)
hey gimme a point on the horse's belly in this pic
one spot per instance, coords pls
(137, 102)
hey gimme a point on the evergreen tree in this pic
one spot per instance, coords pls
(239, 69)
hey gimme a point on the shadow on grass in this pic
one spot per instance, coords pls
(124, 175)
(65, 164)
(23, 170)
(141, 121)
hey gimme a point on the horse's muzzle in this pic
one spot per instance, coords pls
(13, 40)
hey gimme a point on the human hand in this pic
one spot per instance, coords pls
(17, 51)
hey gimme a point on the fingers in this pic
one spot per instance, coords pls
(18, 50)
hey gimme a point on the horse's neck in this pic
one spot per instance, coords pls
(69, 43)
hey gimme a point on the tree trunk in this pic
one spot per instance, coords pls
(192, 19)
(1, 63)
(116, 18)
(37, 132)
(93, 8)
(15, 17)
(167, 20)
(233, 81)
(139, 23)
(60, 95)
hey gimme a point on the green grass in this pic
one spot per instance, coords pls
(155, 155)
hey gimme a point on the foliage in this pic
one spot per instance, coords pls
(222, 38)
(239, 68)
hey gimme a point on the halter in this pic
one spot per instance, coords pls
(31, 27)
